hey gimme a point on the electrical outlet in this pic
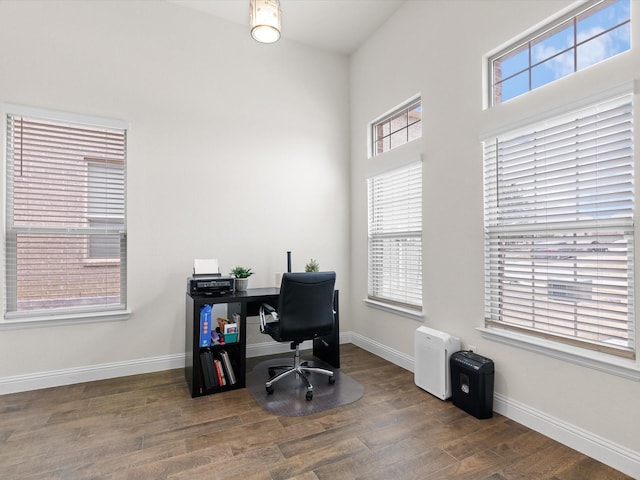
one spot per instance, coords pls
(471, 348)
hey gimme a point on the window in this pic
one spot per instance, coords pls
(105, 206)
(65, 246)
(395, 237)
(591, 34)
(559, 231)
(397, 128)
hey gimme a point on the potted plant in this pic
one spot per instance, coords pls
(241, 275)
(312, 266)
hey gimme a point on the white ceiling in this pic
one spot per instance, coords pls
(334, 25)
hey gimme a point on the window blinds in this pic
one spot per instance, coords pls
(559, 202)
(65, 248)
(395, 237)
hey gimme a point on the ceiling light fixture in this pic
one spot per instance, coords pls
(265, 21)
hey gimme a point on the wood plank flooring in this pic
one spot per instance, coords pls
(148, 427)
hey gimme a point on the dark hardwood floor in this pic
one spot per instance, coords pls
(148, 427)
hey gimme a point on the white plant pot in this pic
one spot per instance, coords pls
(241, 284)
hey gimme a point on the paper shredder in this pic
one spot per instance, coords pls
(472, 383)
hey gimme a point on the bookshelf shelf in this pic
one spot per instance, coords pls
(212, 367)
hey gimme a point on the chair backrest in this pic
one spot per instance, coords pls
(305, 306)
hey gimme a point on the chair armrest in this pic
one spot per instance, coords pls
(266, 310)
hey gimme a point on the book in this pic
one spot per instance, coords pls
(228, 368)
(205, 373)
(205, 326)
(212, 369)
(206, 361)
(219, 372)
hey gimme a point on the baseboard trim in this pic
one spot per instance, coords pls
(381, 350)
(69, 376)
(616, 456)
(274, 348)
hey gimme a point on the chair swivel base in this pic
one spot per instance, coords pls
(299, 368)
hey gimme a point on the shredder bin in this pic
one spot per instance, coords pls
(472, 383)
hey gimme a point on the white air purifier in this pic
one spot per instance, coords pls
(432, 351)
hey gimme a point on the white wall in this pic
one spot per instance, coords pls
(229, 137)
(436, 49)
(236, 151)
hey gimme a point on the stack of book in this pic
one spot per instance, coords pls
(216, 368)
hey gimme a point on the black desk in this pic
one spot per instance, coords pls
(245, 304)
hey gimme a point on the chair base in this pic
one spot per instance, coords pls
(302, 369)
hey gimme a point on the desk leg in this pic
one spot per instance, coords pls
(327, 348)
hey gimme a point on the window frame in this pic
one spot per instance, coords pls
(525, 42)
(377, 126)
(62, 316)
(619, 363)
(378, 295)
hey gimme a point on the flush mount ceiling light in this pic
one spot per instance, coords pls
(264, 19)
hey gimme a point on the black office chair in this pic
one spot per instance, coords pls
(305, 311)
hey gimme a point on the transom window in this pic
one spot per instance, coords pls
(397, 128)
(591, 34)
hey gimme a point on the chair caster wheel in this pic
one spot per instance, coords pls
(272, 372)
(309, 395)
(270, 390)
(332, 380)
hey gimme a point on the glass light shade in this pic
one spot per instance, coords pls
(264, 19)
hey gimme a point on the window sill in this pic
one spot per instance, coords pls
(621, 367)
(404, 312)
(64, 319)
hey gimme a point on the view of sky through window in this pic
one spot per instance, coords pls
(590, 36)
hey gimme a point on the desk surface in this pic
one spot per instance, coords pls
(257, 292)
(250, 294)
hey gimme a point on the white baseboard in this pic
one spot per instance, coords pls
(616, 456)
(394, 356)
(273, 348)
(57, 378)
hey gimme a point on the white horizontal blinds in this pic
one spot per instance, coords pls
(66, 239)
(559, 201)
(105, 206)
(395, 237)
